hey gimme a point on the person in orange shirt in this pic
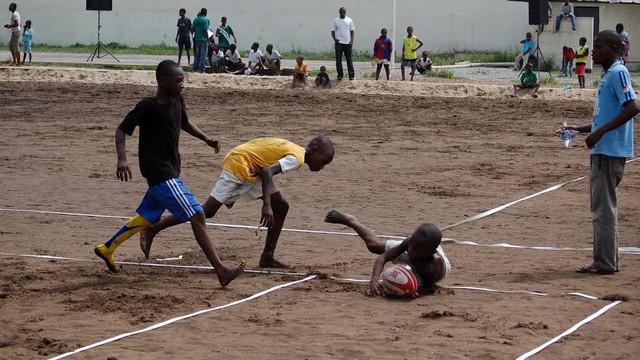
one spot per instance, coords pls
(247, 174)
(300, 73)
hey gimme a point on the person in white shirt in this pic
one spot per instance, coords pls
(233, 61)
(271, 61)
(343, 32)
(424, 63)
(16, 29)
(566, 11)
(255, 59)
(216, 59)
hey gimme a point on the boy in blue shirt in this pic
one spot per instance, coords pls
(611, 143)
(27, 39)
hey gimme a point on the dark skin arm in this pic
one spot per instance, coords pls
(629, 110)
(375, 288)
(12, 25)
(266, 174)
(123, 172)
(353, 34)
(194, 131)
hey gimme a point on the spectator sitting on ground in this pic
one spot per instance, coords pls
(300, 73)
(271, 61)
(322, 80)
(232, 61)
(424, 63)
(525, 51)
(216, 59)
(566, 11)
(528, 80)
(255, 59)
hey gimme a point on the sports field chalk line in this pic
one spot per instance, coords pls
(569, 331)
(267, 272)
(171, 321)
(623, 249)
(311, 277)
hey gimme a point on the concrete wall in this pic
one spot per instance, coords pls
(610, 14)
(305, 24)
(300, 24)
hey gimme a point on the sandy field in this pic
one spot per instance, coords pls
(428, 155)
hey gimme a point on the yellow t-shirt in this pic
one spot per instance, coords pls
(245, 161)
(581, 54)
(409, 43)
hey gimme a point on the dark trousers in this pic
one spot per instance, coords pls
(346, 50)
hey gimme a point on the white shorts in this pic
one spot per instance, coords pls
(404, 258)
(229, 189)
(382, 61)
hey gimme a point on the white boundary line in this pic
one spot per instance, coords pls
(196, 267)
(569, 331)
(627, 250)
(171, 321)
(266, 272)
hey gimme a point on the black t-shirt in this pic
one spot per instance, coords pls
(160, 126)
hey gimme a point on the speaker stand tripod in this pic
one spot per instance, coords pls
(100, 47)
(537, 53)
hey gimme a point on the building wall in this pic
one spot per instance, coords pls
(305, 24)
(300, 24)
(610, 14)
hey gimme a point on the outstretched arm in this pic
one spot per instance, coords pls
(374, 285)
(123, 172)
(266, 174)
(194, 131)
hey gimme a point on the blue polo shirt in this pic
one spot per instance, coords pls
(613, 93)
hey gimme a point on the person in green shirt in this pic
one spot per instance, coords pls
(528, 80)
(224, 33)
(200, 27)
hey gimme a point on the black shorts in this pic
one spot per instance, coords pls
(184, 43)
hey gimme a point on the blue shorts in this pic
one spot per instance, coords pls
(184, 43)
(169, 195)
(411, 62)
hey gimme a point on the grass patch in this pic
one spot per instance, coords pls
(114, 47)
(452, 58)
(448, 58)
(440, 73)
(98, 66)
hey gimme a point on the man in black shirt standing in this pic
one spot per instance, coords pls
(183, 36)
(160, 119)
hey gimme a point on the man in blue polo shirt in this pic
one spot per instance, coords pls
(611, 144)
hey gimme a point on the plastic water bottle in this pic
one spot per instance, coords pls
(568, 88)
(567, 136)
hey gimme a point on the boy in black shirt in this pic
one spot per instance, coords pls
(160, 119)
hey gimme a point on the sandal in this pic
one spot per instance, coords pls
(593, 269)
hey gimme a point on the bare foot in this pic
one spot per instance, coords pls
(146, 239)
(270, 262)
(337, 217)
(227, 275)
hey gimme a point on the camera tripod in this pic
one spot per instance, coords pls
(100, 47)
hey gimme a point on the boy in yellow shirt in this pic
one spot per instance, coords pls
(409, 52)
(248, 171)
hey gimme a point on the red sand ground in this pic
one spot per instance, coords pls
(400, 161)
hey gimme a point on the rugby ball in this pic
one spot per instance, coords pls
(399, 281)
